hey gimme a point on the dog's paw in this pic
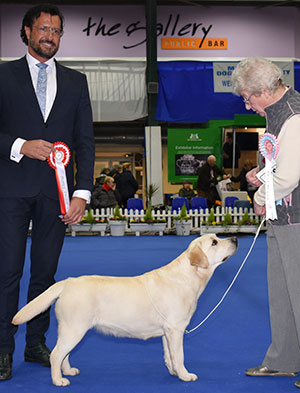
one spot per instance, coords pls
(61, 382)
(170, 368)
(72, 371)
(188, 377)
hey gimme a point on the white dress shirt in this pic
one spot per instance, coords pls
(15, 154)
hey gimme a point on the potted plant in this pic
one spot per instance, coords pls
(148, 224)
(89, 223)
(117, 223)
(150, 191)
(212, 226)
(246, 224)
(99, 225)
(183, 222)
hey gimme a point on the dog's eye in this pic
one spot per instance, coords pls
(214, 242)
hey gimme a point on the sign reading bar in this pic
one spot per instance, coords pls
(194, 43)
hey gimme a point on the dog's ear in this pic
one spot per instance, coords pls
(198, 257)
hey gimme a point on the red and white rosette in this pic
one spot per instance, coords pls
(58, 160)
(268, 146)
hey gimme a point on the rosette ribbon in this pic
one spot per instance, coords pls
(268, 146)
(58, 160)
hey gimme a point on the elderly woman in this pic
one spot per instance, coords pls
(104, 196)
(260, 84)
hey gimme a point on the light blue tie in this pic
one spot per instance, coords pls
(41, 87)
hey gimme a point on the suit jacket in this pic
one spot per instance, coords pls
(127, 185)
(70, 121)
(205, 181)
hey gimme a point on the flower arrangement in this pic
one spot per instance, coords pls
(101, 220)
(228, 221)
(148, 218)
(246, 220)
(90, 219)
(117, 216)
(89, 223)
(211, 220)
(183, 216)
(183, 222)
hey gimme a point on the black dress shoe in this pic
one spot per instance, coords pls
(5, 366)
(40, 353)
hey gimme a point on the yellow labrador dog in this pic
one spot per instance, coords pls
(158, 303)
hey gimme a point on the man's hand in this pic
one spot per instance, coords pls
(259, 210)
(252, 179)
(76, 211)
(38, 149)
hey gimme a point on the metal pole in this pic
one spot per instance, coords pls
(233, 150)
(153, 131)
(151, 70)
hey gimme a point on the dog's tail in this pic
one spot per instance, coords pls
(39, 304)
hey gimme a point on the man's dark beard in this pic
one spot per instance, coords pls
(39, 51)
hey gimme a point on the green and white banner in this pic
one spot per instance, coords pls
(188, 149)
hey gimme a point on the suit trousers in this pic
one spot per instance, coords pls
(47, 238)
(284, 297)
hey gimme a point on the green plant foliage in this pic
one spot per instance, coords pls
(117, 215)
(148, 215)
(148, 218)
(211, 217)
(245, 219)
(227, 219)
(183, 216)
(89, 218)
(150, 191)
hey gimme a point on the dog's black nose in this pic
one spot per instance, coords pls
(234, 240)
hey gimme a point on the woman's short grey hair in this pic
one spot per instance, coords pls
(255, 74)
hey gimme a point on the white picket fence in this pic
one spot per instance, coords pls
(197, 216)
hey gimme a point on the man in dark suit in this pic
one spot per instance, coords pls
(28, 189)
(209, 175)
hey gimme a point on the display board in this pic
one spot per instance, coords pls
(188, 150)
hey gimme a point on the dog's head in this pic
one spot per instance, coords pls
(209, 250)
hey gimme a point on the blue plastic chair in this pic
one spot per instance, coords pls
(198, 203)
(135, 204)
(242, 204)
(178, 202)
(229, 201)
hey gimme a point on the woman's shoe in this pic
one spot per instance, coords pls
(263, 371)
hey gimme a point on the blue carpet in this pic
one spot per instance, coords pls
(234, 338)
